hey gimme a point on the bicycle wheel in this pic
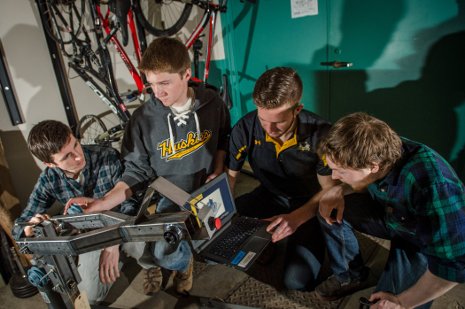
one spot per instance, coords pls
(65, 20)
(162, 17)
(89, 130)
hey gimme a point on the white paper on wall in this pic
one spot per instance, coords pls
(300, 8)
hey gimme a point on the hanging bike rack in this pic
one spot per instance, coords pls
(7, 91)
(59, 68)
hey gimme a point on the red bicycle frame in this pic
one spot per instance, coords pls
(118, 46)
(209, 17)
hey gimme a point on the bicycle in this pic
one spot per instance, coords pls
(82, 30)
(67, 27)
(170, 16)
(165, 18)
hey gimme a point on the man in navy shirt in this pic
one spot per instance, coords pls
(279, 140)
(419, 204)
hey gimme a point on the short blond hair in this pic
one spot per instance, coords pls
(358, 140)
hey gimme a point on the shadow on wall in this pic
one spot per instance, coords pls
(9, 203)
(22, 168)
(352, 39)
(252, 9)
(430, 109)
(31, 85)
(248, 13)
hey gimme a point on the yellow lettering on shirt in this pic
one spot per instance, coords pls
(184, 147)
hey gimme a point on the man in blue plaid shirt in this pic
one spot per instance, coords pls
(74, 170)
(418, 203)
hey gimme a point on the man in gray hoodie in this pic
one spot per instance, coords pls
(180, 134)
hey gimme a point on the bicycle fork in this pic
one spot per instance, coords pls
(208, 18)
(118, 108)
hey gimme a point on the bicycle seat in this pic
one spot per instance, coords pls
(121, 9)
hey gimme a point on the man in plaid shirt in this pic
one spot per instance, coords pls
(418, 203)
(74, 170)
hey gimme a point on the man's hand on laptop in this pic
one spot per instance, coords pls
(87, 204)
(282, 226)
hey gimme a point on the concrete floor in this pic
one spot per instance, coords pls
(219, 283)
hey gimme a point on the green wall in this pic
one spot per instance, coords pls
(262, 36)
(408, 62)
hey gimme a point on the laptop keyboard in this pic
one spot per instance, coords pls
(228, 243)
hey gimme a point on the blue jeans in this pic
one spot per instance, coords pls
(170, 257)
(405, 264)
(160, 253)
(163, 254)
(305, 248)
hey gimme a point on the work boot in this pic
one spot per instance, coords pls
(334, 288)
(152, 280)
(183, 280)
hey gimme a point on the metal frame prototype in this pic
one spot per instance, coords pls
(104, 229)
(55, 271)
(59, 240)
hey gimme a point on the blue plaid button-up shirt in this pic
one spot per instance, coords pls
(102, 171)
(425, 204)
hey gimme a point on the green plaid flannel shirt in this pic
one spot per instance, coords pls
(425, 203)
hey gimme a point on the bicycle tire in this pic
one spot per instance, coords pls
(89, 129)
(173, 15)
(65, 21)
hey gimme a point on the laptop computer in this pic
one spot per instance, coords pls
(222, 235)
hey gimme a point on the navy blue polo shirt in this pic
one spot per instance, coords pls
(288, 170)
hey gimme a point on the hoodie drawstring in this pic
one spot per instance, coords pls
(197, 125)
(181, 120)
(171, 133)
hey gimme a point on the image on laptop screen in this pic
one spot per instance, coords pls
(214, 204)
(237, 242)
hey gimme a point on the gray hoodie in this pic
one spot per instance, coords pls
(153, 130)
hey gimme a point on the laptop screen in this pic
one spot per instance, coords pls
(214, 205)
